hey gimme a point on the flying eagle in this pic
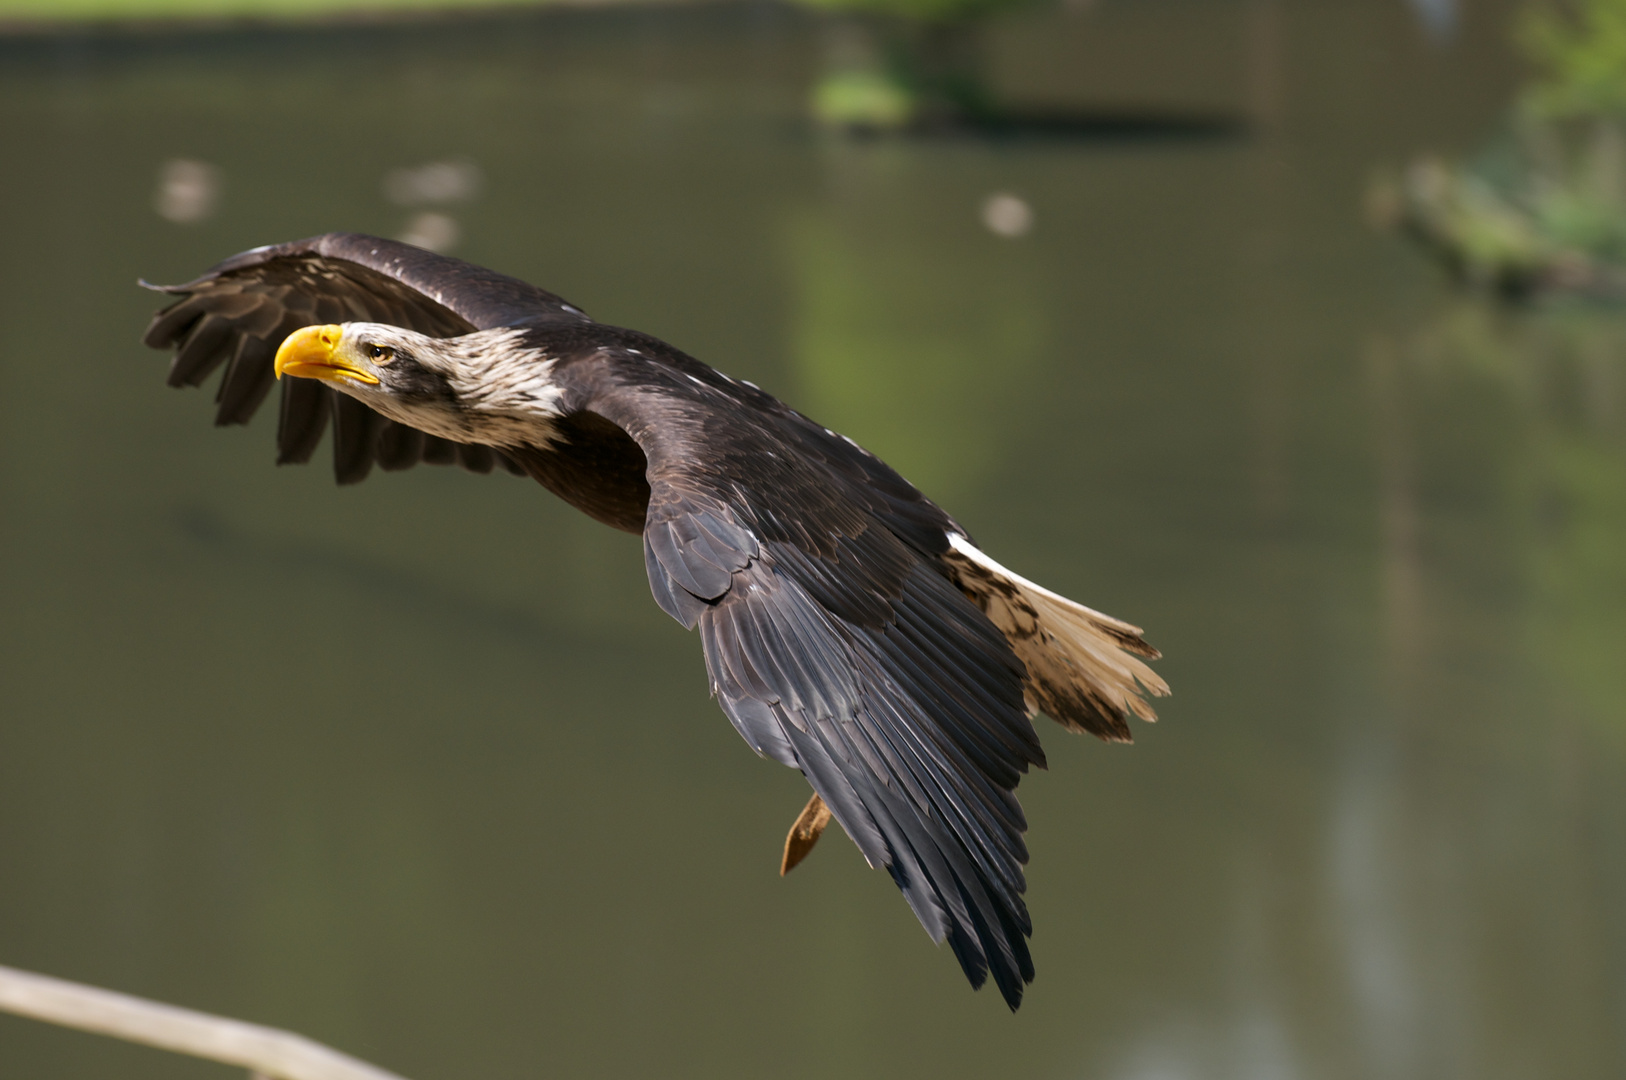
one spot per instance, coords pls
(852, 629)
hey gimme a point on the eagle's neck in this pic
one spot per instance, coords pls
(502, 391)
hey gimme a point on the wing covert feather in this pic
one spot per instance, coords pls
(238, 313)
(837, 645)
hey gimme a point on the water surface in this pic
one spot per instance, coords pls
(418, 769)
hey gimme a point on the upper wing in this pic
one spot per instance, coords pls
(837, 645)
(238, 313)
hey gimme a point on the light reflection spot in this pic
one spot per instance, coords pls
(188, 191)
(436, 182)
(434, 232)
(1007, 215)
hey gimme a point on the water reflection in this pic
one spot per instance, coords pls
(188, 191)
(1544, 483)
(1255, 1044)
(205, 535)
(900, 341)
(1007, 215)
(1439, 18)
(431, 230)
(434, 184)
(1559, 372)
(1370, 909)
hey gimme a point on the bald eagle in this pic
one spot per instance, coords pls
(852, 629)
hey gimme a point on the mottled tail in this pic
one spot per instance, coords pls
(1083, 668)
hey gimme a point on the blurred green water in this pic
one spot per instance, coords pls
(417, 768)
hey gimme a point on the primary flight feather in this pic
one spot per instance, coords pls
(852, 629)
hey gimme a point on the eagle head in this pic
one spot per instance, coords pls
(486, 387)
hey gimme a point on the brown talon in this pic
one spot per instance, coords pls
(804, 833)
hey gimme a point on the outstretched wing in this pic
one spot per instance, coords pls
(238, 313)
(837, 645)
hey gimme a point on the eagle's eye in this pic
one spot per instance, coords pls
(381, 354)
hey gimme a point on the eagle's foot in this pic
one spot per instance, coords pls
(804, 833)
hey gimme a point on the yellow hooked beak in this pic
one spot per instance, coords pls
(310, 354)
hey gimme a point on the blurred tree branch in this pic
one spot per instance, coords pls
(1543, 210)
(267, 1052)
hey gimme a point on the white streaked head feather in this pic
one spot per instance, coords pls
(502, 393)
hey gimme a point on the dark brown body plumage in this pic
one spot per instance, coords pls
(596, 468)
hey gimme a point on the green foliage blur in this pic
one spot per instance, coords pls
(1540, 213)
(70, 11)
(901, 64)
(1543, 208)
(1559, 372)
(1583, 53)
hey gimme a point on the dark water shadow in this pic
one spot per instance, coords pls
(205, 532)
(485, 32)
(1072, 127)
(441, 32)
(1088, 125)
